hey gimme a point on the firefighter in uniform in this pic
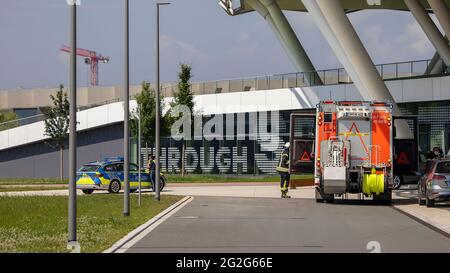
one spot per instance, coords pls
(283, 170)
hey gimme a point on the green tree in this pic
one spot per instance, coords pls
(57, 123)
(8, 120)
(146, 103)
(184, 96)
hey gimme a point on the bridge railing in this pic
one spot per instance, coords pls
(389, 71)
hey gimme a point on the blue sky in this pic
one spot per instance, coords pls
(197, 32)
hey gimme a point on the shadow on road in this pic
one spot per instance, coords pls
(366, 202)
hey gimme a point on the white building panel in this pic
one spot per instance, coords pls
(416, 90)
(4, 141)
(251, 100)
(396, 89)
(35, 132)
(281, 98)
(97, 116)
(82, 119)
(18, 135)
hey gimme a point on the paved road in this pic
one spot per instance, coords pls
(227, 224)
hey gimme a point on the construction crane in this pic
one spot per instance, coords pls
(91, 58)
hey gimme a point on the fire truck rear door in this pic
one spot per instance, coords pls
(303, 132)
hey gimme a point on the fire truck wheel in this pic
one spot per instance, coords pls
(383, 199)
(397, 182)
(329, 198)
(319, 197)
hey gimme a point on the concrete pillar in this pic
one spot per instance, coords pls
(436, 58)
(438, 68)
(442, 13)
(430, 29)
(343, 39)
(279, 24)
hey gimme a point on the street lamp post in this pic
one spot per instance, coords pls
(158, 111)
(126, 108)
(139, 153)
(72, 214)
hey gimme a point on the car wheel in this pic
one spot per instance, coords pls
(162, 184)
(419, 196)
(430, 202)
(88, 191)
(114, 186)
(397, 182)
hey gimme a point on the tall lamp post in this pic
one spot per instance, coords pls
(126, 108)
(139, 153)
(72, 214)
(158, 110)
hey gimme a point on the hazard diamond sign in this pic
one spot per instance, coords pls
(403, 159)
(305, 157)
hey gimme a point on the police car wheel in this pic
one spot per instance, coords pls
(114, 186)
(87, 191)
(397, 182)
(162, 184)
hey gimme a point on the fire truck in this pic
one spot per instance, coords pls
(351, 148)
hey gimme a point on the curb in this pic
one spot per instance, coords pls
(137, 234)
(434, 225)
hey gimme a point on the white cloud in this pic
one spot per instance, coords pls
(375, 42)
(185, 50)
(245, 46)
(415, 39)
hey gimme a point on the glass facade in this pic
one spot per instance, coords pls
(434, 123)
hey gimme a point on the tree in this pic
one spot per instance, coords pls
(8, 120)
(146, 101)
(57, 123)
(184, 96)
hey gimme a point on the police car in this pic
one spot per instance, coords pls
(109, 175)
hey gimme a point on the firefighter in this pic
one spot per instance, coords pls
(283, 170)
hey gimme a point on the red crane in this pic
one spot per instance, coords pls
(91, 58)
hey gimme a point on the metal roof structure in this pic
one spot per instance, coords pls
(348, 5)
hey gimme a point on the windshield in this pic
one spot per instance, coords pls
(89, 168)
(443, 167)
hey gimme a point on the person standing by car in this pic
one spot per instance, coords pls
(151, 169)
(435, 153)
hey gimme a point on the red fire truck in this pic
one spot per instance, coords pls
(350, 147)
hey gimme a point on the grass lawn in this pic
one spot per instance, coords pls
(31, 181)
(39, 224)
(30, 188)
(172, 178)
(204, 178)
